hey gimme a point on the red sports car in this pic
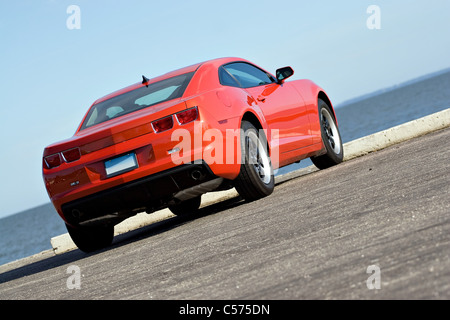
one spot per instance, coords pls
(164, 142)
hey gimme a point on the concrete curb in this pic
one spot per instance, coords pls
(353, 149)
(394, 135)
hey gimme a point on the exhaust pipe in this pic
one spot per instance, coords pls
(197, 175)
(76, 213)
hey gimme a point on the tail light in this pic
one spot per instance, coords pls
(71, 155)
(55, 160)
(52, 161)
(163, 124)
(187, 116)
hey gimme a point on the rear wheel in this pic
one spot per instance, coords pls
(90, 239)
(255, 179)
(331, 139)
(186, 207)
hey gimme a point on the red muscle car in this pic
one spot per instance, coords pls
(163, 142)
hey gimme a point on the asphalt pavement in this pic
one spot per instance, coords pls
(375, 227)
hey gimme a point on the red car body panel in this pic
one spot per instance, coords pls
(289, 109)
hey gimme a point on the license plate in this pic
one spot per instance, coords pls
(121, 165)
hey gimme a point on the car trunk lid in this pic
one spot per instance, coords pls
(116, 130)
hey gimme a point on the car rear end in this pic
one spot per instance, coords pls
(120, 163)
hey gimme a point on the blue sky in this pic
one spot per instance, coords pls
(50, 75)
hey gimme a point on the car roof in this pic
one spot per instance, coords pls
(137, 85)
(213, 63)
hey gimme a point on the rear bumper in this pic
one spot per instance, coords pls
(145, 194)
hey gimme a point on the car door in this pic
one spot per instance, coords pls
(282, 105)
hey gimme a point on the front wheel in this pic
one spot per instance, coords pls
(255, 179)
(331, 139)
(90, 239)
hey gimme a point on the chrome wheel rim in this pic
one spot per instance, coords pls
(258, 157)
(331, 131)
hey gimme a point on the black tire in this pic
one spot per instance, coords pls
(331, 138)
(89, 239)
(186, 207)
(255, 180)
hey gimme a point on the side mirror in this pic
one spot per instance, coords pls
(284, 73)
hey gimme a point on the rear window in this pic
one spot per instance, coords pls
(144, 97)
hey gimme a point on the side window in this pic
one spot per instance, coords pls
(227, 80)
(248, 75)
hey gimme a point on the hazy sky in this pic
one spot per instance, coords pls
(50, 74)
